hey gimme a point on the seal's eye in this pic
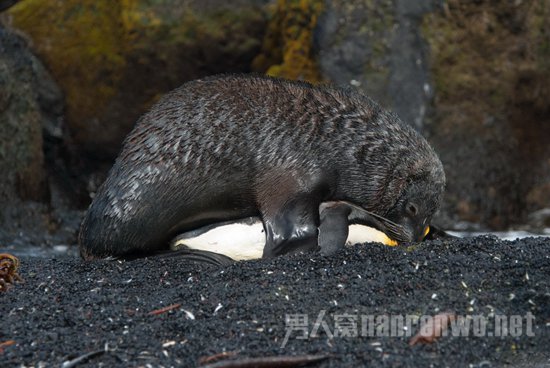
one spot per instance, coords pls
(412, 209)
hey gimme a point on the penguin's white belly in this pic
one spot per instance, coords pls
(237, 241)
(358, 234)
(246, 241)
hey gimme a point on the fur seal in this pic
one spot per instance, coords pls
(230, 147)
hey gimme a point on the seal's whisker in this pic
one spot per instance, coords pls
(394, 230)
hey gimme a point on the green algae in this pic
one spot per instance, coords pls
(287, 49)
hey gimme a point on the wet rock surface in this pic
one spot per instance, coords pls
(67, 308)
(377, 47)
(29, 103)
(31, 132)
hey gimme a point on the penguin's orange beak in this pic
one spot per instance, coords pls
(390, 242)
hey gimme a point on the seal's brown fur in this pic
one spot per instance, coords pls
(237, 146)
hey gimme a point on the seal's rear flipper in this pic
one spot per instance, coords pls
(201, 256)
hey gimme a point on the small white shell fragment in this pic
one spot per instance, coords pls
(188, 314)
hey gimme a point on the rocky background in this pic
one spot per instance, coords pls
(472, 76)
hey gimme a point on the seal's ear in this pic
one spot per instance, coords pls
(333, 230)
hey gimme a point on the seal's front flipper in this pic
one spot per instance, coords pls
(293, 229)
(201, 256)
(289, 209)
(333, 230)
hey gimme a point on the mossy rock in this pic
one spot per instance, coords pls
(287, 49)
(114, 58)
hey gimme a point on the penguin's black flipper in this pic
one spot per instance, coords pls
(359, 215)
(333, 230)
(196, 255)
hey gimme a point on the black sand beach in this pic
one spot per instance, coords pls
(67, 308)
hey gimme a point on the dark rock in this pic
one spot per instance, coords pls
(31, 110)
(6, 4)
(21, 121)
(491, 119)
(377, 47)
(540, 219)
(138, 51)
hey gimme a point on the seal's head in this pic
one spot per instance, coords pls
(414, 210)
(404, 184)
